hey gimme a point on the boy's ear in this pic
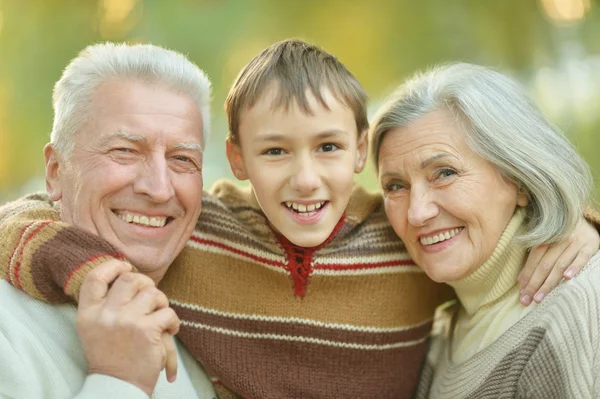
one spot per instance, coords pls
(362, 149)
(236, 162)
(53, 187)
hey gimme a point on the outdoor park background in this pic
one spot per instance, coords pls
(551, 46)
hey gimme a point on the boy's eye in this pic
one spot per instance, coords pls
(273, 151)
(328, 147)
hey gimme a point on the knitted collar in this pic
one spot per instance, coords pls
(499, 273)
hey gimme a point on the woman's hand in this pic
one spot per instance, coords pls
(548, 264)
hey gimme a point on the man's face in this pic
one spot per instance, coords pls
(134, 177)
(301, 165)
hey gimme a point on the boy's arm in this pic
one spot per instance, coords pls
(547, 265)
(43, 256)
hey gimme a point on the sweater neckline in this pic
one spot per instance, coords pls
(300, 259)
(498, 275)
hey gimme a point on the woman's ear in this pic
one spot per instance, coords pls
(236, 162)
(522, 197)
(53, 186)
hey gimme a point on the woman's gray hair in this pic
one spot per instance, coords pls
(502, 125)
(72, 98)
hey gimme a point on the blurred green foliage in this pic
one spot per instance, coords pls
(551, 46)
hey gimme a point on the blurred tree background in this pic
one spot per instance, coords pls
(551, 46)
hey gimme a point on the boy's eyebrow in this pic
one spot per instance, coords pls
(322, 135)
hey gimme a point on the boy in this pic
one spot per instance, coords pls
(297, 287)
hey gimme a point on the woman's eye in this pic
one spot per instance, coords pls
(445, 172)
(123, 149)
(329, 147)
(391, 187)
(273, 151)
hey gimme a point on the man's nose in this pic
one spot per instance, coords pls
(154, 180)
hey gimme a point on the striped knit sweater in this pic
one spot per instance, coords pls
(495, 348)
(265, 318)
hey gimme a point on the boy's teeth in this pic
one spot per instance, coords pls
(440, 237)
(304, 208)
(143, 220)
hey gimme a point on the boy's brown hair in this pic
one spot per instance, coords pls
(295, 66)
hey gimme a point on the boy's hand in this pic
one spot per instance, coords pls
(125, 326)
(548, 264)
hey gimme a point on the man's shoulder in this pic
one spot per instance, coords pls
(18, 307)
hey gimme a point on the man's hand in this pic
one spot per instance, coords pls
(125, 326)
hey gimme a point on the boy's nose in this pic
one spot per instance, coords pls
(306, 179)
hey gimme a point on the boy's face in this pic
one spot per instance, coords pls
(301, 166)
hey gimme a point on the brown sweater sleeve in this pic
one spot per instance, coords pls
(43, 256)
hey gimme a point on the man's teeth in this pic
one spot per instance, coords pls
(440, 237)
(304, 208)
(144, 220)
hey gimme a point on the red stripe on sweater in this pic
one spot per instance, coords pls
(238, 252)
(390, 263)
(88, 260)
(17, 270)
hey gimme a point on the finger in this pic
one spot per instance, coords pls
(147, 301)
(542, 271)
(170, 357)
(578, 263)
(126, 287)
(556, 275)
(96, 284)
(165, 319)
(534, 258)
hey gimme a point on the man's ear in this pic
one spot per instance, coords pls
(53, 186)
(362, 149)
(236, 162)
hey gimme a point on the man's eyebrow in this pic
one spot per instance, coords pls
(189, 146)
(434, 158)
(123, 135)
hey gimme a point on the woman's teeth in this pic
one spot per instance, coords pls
(440, 237)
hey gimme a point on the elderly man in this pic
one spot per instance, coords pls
(124, 163)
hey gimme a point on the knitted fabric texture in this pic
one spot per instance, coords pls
(494, 347)
(265, 318)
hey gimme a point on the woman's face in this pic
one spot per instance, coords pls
(448, 204)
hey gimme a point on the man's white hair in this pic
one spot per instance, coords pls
(72, 98)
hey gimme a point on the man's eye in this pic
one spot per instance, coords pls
(123, 149)
(273, 151)
(183, 158)
(328, 147)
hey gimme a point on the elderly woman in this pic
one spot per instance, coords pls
(473, 176)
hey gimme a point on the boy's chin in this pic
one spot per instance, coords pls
(308, 239)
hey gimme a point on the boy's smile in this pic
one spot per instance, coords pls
(301, 165)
